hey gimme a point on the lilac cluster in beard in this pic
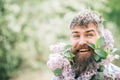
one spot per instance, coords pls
(56, 60)
(109, 41)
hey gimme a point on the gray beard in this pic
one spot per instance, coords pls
(83, 65)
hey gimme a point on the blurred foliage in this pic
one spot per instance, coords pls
(28, 27)
(9, 61)
(112, 11)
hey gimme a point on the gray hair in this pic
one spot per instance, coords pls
(85, 17)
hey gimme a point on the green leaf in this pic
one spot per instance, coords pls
(57, 71)
(71, 55)
(67, 47)
(101, 68)
(68, 55)
(99, 43)
(97, 58)
(100, 52)
(100, 76)
(93, 77)
(92, 45)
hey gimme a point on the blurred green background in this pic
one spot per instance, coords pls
(29, 27)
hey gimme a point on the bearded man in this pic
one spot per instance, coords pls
(86, 28)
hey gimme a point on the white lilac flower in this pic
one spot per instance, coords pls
(57, 48)
(117, 57)
(109, 42)
(55, 61)
(107, 61)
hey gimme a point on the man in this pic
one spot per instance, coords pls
(86, 28)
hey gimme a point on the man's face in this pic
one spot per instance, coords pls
(81, 36)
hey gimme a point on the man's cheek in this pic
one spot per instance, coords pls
(73, 42)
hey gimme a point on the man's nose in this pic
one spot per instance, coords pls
(82, 41)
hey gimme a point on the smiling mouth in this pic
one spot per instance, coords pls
(83, 51)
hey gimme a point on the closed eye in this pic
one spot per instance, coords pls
(89, 35)
(75, 36)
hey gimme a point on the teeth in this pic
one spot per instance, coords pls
(83, 50)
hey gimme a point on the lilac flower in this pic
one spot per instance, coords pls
(108, 39)
(107, 61)
(67, 71)
(59, 78)
(57, 48)
(118, 75)
(58, 61)
(55, 61)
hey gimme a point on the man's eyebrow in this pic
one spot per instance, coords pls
(75, 32)
(90, 31)
(87, 31)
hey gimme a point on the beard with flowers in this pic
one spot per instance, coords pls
(83, 62)
(80, 66)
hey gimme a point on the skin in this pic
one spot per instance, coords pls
(83, 35)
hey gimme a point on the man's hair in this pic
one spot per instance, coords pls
(85, 17)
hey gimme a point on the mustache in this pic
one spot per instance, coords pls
(85, 46)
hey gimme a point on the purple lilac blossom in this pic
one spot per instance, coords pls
(58, 61)
(57, 48)
(55, 61)
(67, 71)
(109, 42)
